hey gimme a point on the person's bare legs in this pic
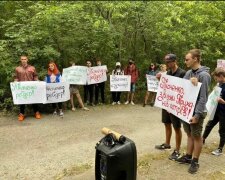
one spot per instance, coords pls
(132, 97)
(146, 97)
(128, 96)
(190, 144)
(81, 104)
(197, 146)
(168, 131)
(72, 102)
(178, 138)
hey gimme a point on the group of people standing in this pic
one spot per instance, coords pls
(196, 73)
(26, 72)
(193, 129)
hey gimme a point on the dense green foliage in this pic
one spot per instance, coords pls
(111, 31)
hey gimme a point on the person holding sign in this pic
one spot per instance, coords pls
(26, 72)
(89, 89)
(219, 76)
(197, 73)
(168, 118)
(131, 70)
(152, 70)
(54, 76)
(99, 86)
(74, 90)
(115, 94)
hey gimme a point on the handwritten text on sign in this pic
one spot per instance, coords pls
(152, 83)
(120, 82)
(221, 63)
(96, 74)
(177, 96)
(28, 92)
(75, 75)
(212, 102)
(57, 92)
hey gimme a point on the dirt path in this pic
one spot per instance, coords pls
(55, 148)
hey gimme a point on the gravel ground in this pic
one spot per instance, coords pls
(64, 148)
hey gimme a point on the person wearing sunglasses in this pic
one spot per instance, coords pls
(152, 70)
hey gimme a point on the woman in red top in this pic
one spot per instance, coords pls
(131, 70)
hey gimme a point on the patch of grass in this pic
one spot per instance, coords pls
(74, 170)
(216, 175)
(208, 148)
(145, 161)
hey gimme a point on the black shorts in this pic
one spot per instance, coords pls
(168, 118)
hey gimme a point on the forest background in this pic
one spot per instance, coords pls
(109, 30)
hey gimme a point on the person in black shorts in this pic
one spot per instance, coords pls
(169, 119)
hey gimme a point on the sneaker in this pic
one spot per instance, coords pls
(21, 117)
(61, 114)
(183, 160)
(217, 152)
(151, 104)
(132, 103)
(37, 115)
(118, 102)
(144, 105)
(113, 103)
(85, 109)
(193, 167)
(175, 155)
(127, 102)
(73, 109)
(54, 113)
(163, 146)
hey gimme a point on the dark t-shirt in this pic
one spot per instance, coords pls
(178, 73)
(221, 107)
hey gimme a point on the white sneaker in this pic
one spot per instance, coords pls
(127, 102)
(61, 114)
(217, 152)
(132, 103)
(118, 102)
(85, 109)
(54, 113)
(113, 103)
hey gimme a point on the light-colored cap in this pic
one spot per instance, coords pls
(118, 64)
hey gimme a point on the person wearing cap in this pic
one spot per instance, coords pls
(167, 118)
(131, 70)
(152, 70)
(115, 94)
(26, 72)
(194, 129)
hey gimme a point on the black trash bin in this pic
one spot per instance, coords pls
(115, 160)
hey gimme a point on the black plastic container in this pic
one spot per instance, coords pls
(115, 160)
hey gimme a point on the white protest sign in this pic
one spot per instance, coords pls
(152, 83)
(57, 92)
(177, 96)
(75, 75)
(120, 82)
(212, 102)
(221, 63)
(96, 74)
(28, 92)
